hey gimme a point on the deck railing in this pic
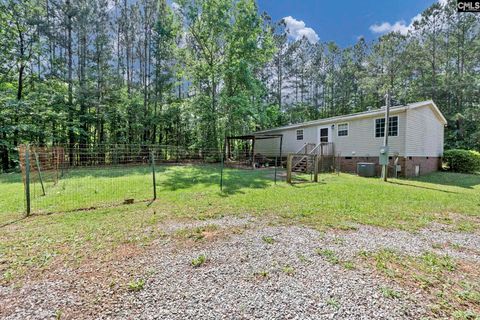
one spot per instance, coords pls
(323, 149)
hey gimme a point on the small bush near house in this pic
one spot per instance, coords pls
(465, 161)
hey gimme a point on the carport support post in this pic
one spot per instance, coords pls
(315, 174)
(152, 157)
(27, 178)
(289, 168)
(281, 145)
(253, 152)
(275, 175)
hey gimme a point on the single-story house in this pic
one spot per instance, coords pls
(416, 138)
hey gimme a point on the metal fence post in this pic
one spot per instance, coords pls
(37, 162)
(221, 173)
(57, 160)
(27, 178)
(62, 163)
(152, 156)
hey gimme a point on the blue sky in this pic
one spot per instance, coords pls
(345, 20)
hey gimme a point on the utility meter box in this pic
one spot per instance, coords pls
(383, 158)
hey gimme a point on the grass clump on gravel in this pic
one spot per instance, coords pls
(197, 233)
(465, 315)
(288, 269)
(136, 285)
(198, 261)
(451, 286)
(268, 240)
(329, 255)
(390, 293)
(332, 302)
(303, 258)
(349, 265)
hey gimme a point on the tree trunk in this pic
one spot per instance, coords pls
(4, 152)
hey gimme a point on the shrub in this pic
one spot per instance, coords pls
(459, 160)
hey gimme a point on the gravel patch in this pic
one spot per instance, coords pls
(459, 245)
(225, 222)
(39, 300)
(245, 278)
(262, 272)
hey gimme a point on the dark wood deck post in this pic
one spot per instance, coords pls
(253, 152)
(289, 168)
(281, 146)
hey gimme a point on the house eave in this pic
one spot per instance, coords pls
(365, 114)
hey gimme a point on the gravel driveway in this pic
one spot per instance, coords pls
(255, 271)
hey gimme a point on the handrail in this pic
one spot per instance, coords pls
(300, 150)
(312, 152)
(305, 152)
(321, 145)
(309, 144)
(315, 149)
(305, 145)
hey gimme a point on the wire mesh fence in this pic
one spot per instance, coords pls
(62, 179)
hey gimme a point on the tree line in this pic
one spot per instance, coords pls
(91, 73)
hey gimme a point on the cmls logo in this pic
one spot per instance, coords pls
(468, 6)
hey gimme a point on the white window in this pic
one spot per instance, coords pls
(392, 127)
(300, 134)
(342, 130)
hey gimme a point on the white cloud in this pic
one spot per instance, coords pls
(296, 29)
(175, 6)
(399, 26)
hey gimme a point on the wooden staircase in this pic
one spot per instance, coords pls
(301, 166)
(304, 159)
(303, 162)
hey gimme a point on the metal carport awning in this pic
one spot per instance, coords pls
(253, 138)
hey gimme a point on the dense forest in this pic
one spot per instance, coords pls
(87, 73)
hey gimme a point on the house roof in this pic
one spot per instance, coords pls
(364, 114)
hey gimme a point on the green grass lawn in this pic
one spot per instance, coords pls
(192, 192)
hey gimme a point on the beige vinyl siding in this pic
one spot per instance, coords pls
(361, 138)
(270, 147)
(420, 133)
(424, 137)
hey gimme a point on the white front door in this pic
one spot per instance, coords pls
(324, 134)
